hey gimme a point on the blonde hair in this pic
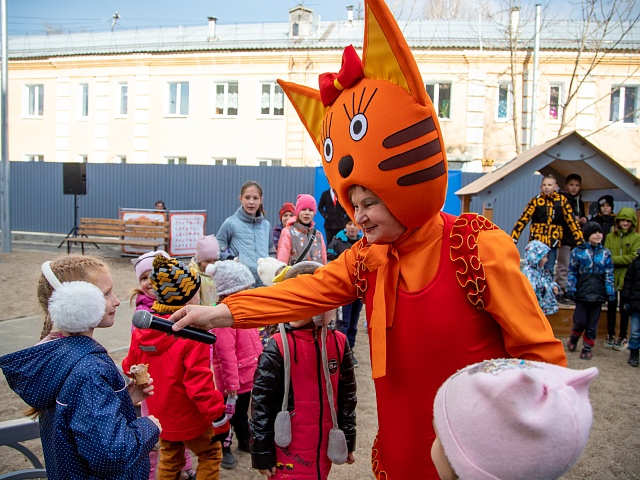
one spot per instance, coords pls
(67, 269)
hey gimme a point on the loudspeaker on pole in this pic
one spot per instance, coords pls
(74, 176)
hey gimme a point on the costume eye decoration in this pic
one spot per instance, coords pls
(327, 143)
(358, 127)
(358, 123)
(327, 149)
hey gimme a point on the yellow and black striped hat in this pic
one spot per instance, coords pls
(172, 281)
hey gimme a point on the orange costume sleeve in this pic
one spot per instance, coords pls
(511, 301)
(298, 298)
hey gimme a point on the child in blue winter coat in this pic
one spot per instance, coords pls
(535, 255)
(88, 425)
(589, 284)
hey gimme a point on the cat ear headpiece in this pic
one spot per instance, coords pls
(375, 126)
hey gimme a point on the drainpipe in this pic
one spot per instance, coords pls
(534, 94)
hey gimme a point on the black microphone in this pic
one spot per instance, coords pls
(144, 319)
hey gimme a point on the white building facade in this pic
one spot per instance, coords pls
(208, 95)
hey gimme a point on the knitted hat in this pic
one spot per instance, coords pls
(144, 263)
(537, 416)
(230, 276)
(305, 201)
(268, 268)
(605, 199)
(590, 228)
(207, 249)
(173, 282)
(286, 207)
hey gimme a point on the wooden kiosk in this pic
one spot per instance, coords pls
(569, 153)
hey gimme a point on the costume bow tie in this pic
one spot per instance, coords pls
(331, 84)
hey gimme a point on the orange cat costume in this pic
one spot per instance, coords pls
(447, 293)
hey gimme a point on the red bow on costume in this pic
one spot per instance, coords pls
(331, 84)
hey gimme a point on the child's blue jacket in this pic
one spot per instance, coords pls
(88, 423)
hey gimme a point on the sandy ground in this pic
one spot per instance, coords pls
(612, 452)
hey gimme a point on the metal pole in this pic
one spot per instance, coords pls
(5, 224)
(534, 94)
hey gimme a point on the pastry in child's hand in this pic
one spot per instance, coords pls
(139, 373)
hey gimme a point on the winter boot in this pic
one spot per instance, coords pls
(633, 357)
(228, 460)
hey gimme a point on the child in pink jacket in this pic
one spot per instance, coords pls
(234, 357)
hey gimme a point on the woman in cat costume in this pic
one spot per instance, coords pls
(441, 292)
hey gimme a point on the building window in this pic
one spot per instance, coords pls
(440, 94)
(505, 101)
(34, 158)
(224, 161)
(555, 102)
(271, 99)
(178, 98)
(226, 98)
(176, 160)
(269, 162)
(123, 90)
(624, 104)
(84, 99)
(34, 100)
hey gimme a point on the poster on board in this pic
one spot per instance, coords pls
(186, 229)
(141, 215)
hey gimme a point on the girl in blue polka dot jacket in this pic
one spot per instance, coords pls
(88, 424)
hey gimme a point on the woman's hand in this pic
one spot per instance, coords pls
(140, 392)
(204, 318)
(269, 473)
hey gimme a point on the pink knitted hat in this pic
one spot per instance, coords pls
(144, 263)
(305, 201)
(207, 249)
(511, 419)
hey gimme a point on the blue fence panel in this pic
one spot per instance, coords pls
(39, 205)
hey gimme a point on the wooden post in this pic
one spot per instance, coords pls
(487, 212)
(466, 203)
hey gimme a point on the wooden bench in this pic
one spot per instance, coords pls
(112, 231)
(562, 321)
(12, 433)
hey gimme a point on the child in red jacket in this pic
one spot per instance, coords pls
(185, 399)
(303, 402)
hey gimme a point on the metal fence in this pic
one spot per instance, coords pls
(38, 203)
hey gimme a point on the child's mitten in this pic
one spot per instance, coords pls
(221, 428)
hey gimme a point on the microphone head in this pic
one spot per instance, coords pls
(142, 319)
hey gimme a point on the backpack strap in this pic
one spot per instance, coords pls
(306, 249)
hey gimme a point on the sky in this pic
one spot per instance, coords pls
(34, 17)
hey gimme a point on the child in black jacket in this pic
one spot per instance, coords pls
(630, 299)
